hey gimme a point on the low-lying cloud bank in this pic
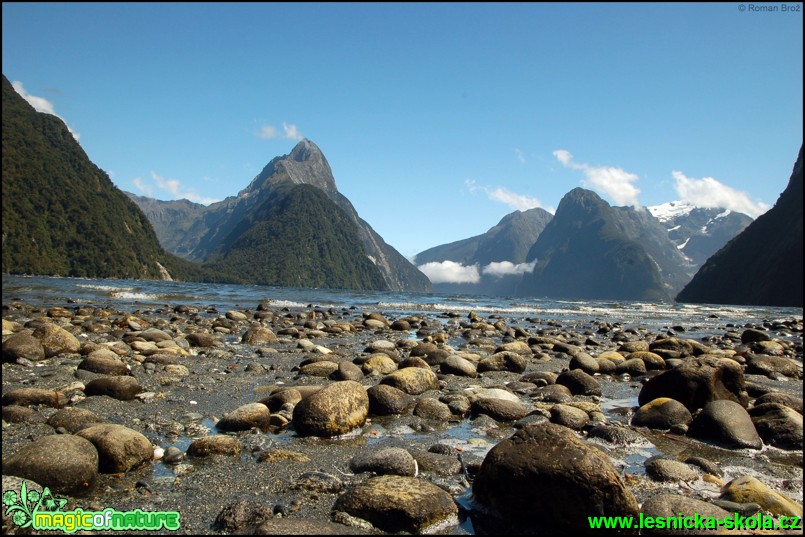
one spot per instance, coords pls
(453, 272)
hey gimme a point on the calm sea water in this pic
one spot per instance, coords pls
(699, 320)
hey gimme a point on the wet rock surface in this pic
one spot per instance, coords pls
(274, 423)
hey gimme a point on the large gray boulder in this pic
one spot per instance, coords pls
(332, 411)
(544, 478)
(697, 381)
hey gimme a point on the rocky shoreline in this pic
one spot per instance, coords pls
(331, 421)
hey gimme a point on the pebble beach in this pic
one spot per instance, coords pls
(313, 420)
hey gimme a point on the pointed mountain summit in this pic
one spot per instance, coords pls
(235, 228)
(592, 250)
(763, 264)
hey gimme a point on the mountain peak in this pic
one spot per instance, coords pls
(305, 150)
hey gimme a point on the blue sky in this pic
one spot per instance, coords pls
(437, 119)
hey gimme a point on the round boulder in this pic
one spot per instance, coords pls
(65, 463)
(245, 417)
(123, 388)
(385, 400)
(579, 382)
(544, 478)
(395, 503)
(662, 413)
(725, 423)
(388, 461)
(697, 381)
(412, 380)
(778, 425)
(332, 411)
(56, 340)
(23, 345)
(119, 448)
(219, 444)
(746, 489)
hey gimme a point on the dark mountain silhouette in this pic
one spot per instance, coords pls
(208, 233)
(763, 264)
(591, 250)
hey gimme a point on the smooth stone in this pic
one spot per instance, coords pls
(258, 336)
(456, 365)
(332, 411)
(385, 400)
(634, 367)
(499, 409)
(726, 423)
(23, 345)
(347, 371)
(662, 413)
(553, 393)
(697, 381)
(220, 444)
(568, 416)
(394, 461)
(104, 362)
(120, 449)
(398, 504)
(412, 380)
(432, 409)
(585, 362)
(650, 359)
(56, 340)
(379, 364)
(34, 396)
(65, 463)
(324, 368)
(661, 469)
(771, 366)
(544, 478)
(201, 339)
(73, 419)
(475, 393)
(503, 361)
(518, 347)
(19, 414)
(778, 425)
(579, 382)
(437, 463)
(123, 388)
(245, 417)
(791, 401)
(746, 489)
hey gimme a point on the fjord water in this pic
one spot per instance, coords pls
(698, 320)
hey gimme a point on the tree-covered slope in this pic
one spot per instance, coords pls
(62, 215)
(298, 237)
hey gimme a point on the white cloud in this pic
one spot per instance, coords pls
(520, 155)
(142, 187)
(41, 104)
(709, 192)
(175, 188)
(267, 131)
(289, 132)
(507, 268)
(615, 183)
(519, 202)
(450, 272)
